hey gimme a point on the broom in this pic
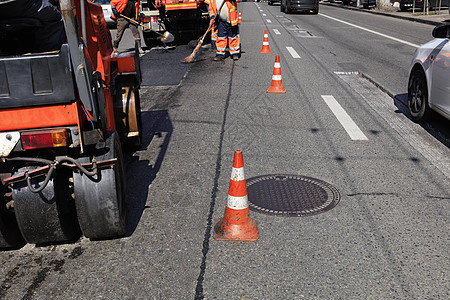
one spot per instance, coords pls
(191, 57)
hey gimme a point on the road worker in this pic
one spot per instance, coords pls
(213, 28)
(130, 9)
(227, 27)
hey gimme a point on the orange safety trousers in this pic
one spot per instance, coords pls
(214, 32)
(228, 34)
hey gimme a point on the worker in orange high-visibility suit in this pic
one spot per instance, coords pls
(213, 28)
(228, 28)
(130, 9)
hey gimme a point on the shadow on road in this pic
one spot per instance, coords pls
(140, 172)
(438, 127)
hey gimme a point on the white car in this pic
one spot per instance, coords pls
(107, 11)
(429, 77)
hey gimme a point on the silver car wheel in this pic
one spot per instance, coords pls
(418, 96)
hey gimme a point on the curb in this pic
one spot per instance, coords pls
(429, 22)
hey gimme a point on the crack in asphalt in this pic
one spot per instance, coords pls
(199, 288)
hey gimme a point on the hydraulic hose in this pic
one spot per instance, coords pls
(77, 163)
(53, 165)
(43, 184)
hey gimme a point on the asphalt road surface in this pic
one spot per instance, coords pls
(387, 238)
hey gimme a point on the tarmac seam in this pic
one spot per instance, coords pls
(201, 277)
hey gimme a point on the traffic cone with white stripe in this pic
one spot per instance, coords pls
(277, 83)
(265, 47)
(240, 17)
(236, 224)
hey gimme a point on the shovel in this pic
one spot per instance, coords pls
(166, 37)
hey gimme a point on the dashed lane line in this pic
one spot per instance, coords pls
(346, 121)
(277, 31)
(269, 21)
(293, 52)
(372, 31)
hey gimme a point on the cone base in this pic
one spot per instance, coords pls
(265, 50)
(233, 232)
(277, 89)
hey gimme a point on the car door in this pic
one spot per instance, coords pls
(440, 81)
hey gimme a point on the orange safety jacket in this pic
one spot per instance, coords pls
(232, 10)
(120, 5)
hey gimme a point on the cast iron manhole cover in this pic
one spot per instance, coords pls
(290, 195)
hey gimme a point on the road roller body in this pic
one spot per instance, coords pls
(65, 116)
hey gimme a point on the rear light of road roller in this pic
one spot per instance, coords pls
(44, 139)
(149, 19)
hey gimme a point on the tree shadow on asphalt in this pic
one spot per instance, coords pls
(140, 172)
(438, 127)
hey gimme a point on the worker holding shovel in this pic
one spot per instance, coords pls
(228, 29)
(130, 9)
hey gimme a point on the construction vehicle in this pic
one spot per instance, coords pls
(186, 19)
(64, 118)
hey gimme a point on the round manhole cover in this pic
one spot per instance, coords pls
(290, 195)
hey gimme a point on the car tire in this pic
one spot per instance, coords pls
(418, 96)
(366, 5)
(270, 3)
(403, 8)
(315, 11)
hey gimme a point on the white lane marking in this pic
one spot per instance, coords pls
(349, 125)
(264, 15)
(374, 32)
(268, 21)
(277, 31)
(293, 52)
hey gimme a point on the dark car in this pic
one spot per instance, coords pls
(367, 3)
(421, 4)
(289, 6)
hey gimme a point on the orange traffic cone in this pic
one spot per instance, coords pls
(240, 17)
(236, 224)
(265, 47)
(277, 84)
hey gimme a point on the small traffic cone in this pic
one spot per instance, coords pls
(240, 17)
(236, 224)
(265, 47)
(277, 84)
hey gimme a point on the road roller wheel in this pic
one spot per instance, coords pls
(10, 235)
(48, 216)
(127, 112)
(100, 201)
